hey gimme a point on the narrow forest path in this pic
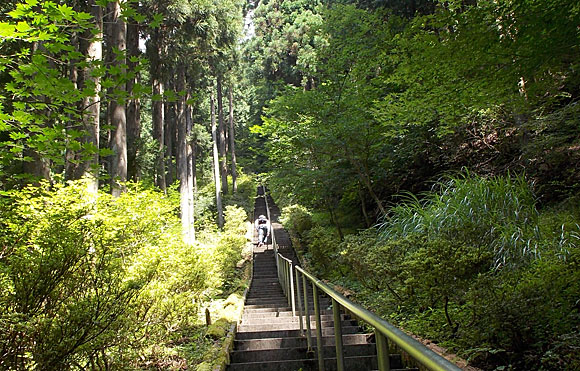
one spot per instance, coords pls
(269, 336)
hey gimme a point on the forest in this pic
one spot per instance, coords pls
(425, 155)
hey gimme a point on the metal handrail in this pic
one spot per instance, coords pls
(384, 331)
(412, 347)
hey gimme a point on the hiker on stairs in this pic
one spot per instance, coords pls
(262, 225)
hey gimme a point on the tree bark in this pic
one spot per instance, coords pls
(182, 167)
(363, 206)
(232, 142)
(118, 111)
(134, 104)
(190, 169)
(336, 224)
(216, 165)
(193, 146)
(363, 173)
(222, 140)
(158, 108)
(170, 131)
(92, 103)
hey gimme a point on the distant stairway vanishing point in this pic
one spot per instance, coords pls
(268, 336)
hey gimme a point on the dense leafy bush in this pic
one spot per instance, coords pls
(498, 213)
(298, 221)
(296, 218)
(323, 245)
(245, 194)
(88, 280)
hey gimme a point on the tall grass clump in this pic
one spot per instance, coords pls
(497, 214)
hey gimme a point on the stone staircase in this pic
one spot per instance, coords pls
(268, 336)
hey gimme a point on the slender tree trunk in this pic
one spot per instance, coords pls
(182, 167)
(190, 169)
(193, 144)
(170, 132)
(39, 167)
(118, 112)
(363, 206)
(233, 142)
(222, 140)
(216, 165)
(365, 179)
(158, 108)
(134, 105)
(336, 224)
(93, 103)
(73, 158)
(91, 46)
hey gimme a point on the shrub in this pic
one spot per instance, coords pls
(323, 245)
(530, 315)
(245, 194)
(297, 219)
(76, 265)
(498, 213)
(87, 279)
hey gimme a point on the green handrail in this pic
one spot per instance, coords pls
(412, 347)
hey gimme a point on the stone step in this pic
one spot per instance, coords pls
(327, 331)
(244, 356)
(286, 325)
(297, 342)
(324, 304)
(361, 363)
(287, 319)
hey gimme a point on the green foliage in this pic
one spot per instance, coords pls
(498, 214)
(90, 279)
(76, 264)
(245, 194)
(431, 270)
(530, 316)
(322, 245)
(296, 218)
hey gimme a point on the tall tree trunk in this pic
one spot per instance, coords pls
(81, 164)
(364, 177)
(216, 165)
(134, 104)
(233, 141)
(158, 108)
(73, 157)
(222, 138)
(92, 104)
(363, 206)
(118, 112)
(182, 167)
(190, 169)
(38, 167)
(336, 224)
(193, 145)
(170, 133)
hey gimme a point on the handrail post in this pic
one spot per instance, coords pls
(338, 335)
(285, 280)
(307, 314)
(299, 302)
(288, 284)
(382, 351)
(293, 303)
(318, 328)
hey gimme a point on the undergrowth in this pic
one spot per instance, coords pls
(473, 265)
(92, 281)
